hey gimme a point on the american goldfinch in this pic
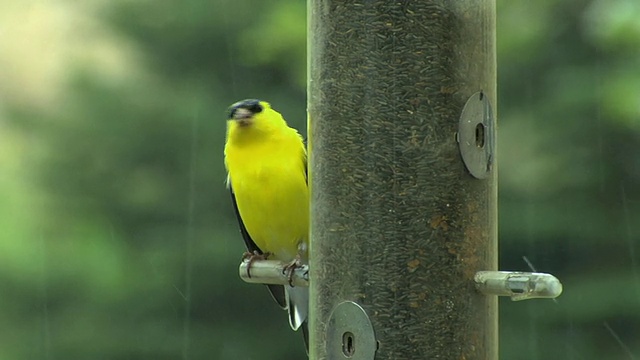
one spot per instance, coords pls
(267, 175)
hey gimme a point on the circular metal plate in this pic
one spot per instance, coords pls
(476, 136)
(350, 333)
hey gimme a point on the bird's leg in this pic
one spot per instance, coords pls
(291, 267)
(253, 256)
(295, 263)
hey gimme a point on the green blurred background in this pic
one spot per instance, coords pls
(117, 237)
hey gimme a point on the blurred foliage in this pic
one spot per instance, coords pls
(118, 239)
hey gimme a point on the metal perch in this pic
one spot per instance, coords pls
(517, 285)
(273, 272)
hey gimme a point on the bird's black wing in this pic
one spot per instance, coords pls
(305, 160)
(305, 335)
(277, 291)
(305, 324)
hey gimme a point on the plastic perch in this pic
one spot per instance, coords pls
(518, 285)
(273, 272)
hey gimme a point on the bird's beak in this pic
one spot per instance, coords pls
(243, 116)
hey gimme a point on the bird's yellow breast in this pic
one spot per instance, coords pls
(269, 181)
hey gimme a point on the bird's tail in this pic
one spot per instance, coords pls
(298, 307)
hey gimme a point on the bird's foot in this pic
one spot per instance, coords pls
(291, 267)
(251, 257)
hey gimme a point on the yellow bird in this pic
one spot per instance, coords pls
(266, 165)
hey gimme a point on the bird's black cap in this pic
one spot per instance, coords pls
(252, 105)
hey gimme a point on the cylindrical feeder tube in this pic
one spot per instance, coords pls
(399, 225)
